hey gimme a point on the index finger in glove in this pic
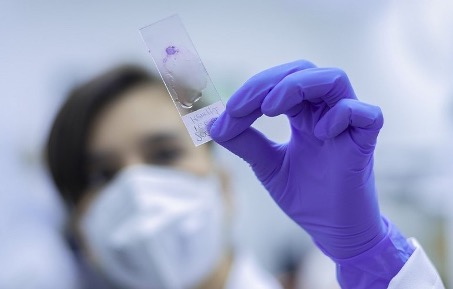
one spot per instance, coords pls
(327, 85)
(250, 96)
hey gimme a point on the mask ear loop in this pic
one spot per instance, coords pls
(73, 231)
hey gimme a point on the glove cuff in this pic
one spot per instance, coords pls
(376, 267)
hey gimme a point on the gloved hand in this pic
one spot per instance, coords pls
(323, 177)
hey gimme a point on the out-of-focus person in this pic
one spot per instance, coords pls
(148, 208)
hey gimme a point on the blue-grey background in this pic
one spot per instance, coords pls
(398, 55)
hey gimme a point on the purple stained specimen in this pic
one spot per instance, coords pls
(186, 75)
(171, 50)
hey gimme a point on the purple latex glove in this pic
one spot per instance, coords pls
(323, 177)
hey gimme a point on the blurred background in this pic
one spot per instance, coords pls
(398, 55)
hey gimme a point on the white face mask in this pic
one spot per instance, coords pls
(156, 228)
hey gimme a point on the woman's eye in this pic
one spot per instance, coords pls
(164, 156)
(100, 177)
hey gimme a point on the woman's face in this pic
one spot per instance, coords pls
(142, 127)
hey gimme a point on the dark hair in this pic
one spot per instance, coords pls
(66, 147)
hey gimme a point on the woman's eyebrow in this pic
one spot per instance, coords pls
(161, 138)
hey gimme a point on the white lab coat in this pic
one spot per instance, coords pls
(246, 274)
(417, 273)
